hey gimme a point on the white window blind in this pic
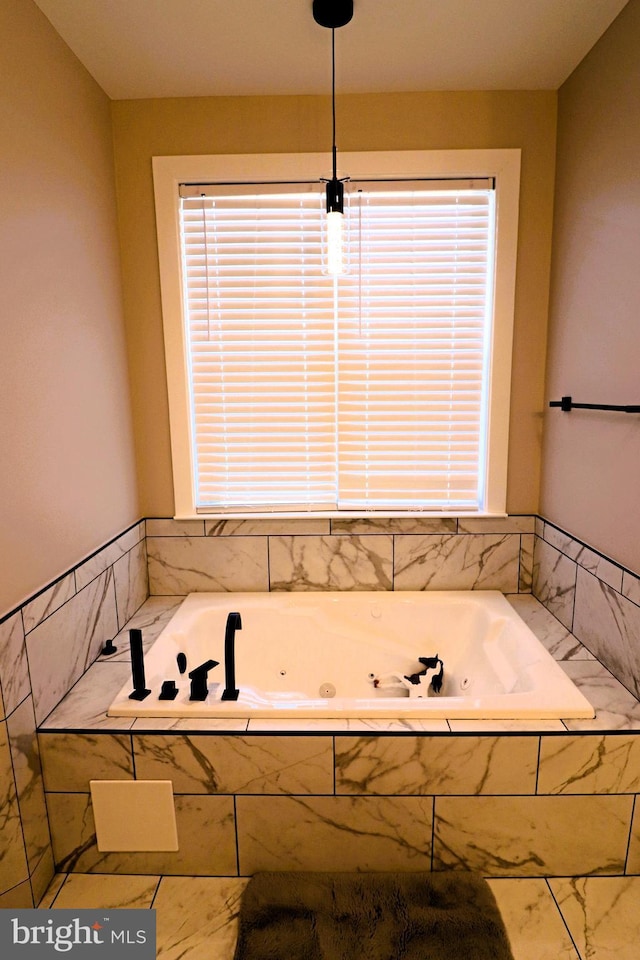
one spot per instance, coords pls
(363, 392)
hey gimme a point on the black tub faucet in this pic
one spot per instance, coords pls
(234, 622)
(140, 690)
(198, 679)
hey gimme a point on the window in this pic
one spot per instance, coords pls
(385, 389)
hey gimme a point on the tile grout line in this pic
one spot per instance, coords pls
(333, 747)
(236, 832)
(155, 896)
(535, 789)
(630, 838)
(562, 917)
(433, 832)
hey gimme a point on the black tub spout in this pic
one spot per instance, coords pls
(234, 622)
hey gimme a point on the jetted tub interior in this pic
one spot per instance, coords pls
(351, 655)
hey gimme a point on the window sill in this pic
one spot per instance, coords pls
(341, 515)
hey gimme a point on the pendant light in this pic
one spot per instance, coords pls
(334, 14)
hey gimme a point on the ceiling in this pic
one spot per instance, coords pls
(196, 48)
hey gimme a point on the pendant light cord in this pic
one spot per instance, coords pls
(333, 99)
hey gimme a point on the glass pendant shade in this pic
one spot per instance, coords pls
(335, 243)
(335, 227)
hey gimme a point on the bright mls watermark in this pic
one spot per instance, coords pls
(78, 934)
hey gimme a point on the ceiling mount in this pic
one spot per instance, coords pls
(332, 13)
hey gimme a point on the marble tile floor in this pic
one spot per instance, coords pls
(565, 918)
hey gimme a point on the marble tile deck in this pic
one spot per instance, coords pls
(575, 918)
(84, 708)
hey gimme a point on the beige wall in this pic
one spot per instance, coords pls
(591, 483)
(67, 480)
(146, 128)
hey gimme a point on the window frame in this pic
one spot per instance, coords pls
(503, 165)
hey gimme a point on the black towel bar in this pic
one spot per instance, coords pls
(567, 404)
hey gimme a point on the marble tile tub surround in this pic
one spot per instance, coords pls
(368, 554)
(67, 625)
(594, 597)
(45, 646)
(98, 596)
(529, 799)
(420, 549)
(441, 822)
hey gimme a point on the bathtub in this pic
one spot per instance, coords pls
(352, 655)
